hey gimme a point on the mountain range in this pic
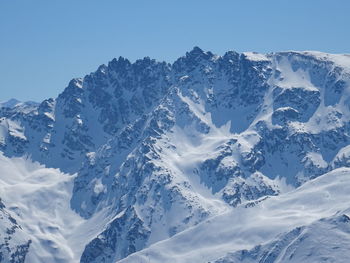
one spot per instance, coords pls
(243, 157)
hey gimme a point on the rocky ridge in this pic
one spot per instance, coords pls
(163, 147)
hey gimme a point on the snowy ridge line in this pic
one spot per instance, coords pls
(323, 197)
(138, 155)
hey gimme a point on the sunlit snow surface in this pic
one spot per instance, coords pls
(233, 158)
(245, 227)
(38, 198)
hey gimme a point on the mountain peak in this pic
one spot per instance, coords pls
(14, 103)
(120, 63)
(9, 103)
(197, 52)
(157, 149)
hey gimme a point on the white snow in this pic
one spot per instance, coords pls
(39, 198)
(243, 228)
(3, 131)
(293, 79)
(315, 159)
(49, 115)
(343, 152)
(99, 187)
(16, 130)
(256, 56)
(342, 60)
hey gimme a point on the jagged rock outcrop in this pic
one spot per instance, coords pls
(163, 147)
(14, 243)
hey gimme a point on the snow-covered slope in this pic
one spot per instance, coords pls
(37, 208)
(326, 240)
(309, 224)
(14, 242)
(157, 149)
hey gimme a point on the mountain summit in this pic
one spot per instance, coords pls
(233, 158)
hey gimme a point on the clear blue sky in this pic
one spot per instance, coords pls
(44, 43)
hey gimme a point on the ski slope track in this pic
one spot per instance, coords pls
(233, 158)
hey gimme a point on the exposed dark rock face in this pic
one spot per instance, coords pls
(149, 139)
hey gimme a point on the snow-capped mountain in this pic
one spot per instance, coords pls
(165, 162)
(309, 224)
(11, 103)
